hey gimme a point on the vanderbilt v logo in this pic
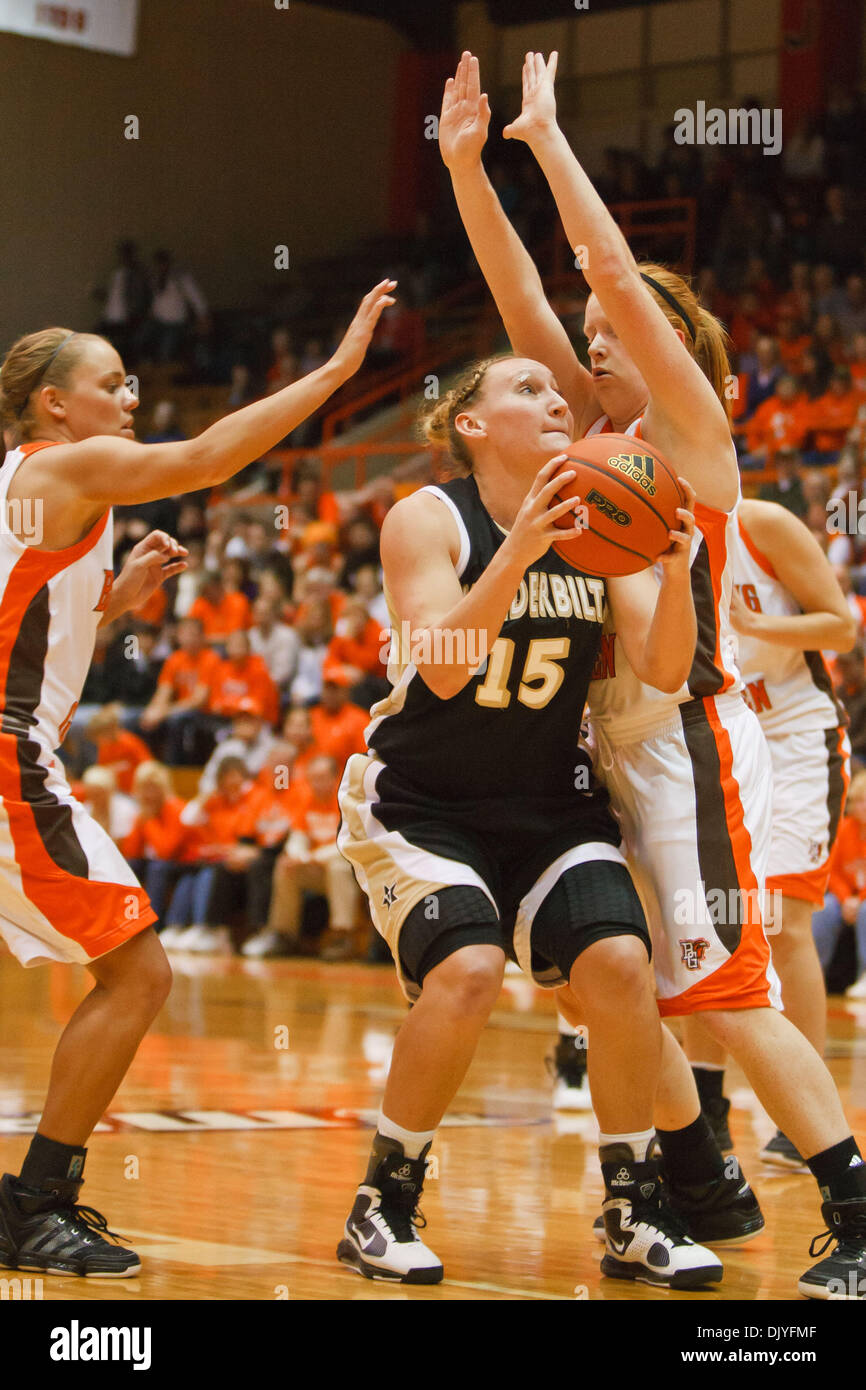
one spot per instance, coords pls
(107, 581)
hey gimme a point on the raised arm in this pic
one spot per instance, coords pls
(533, 328)
(86, 477)
(684, 417)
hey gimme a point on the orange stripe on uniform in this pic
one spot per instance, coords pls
(741, 982)
(95, 914)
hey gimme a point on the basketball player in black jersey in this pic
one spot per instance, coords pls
(474, 823)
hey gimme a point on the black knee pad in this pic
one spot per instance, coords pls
(587, 903)
(444, 922)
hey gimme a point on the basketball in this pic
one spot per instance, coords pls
(631, 497)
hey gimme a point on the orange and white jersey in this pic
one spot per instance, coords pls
(66, 892)
(789, 690)
(621, 706)
(51, 603)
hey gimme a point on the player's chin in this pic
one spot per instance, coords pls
(552, 443)
(127, 432)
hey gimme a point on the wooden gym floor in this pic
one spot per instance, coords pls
(231, 1154)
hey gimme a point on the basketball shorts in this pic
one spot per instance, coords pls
(66, 891)
(539, 879)
(810, 782)
(695, 805)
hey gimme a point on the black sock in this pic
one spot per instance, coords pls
(839, 1171)
(691, 1155)
(46, 1158)
(709, 1081)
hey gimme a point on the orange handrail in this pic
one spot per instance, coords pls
(468, 340)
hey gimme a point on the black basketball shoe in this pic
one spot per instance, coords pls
(783, 1154)
(381, 1239)
(722, 1212)
(841, 1274)
(644, 1239)
(43, 1230)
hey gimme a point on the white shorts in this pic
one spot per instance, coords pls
(66, 891)
(810, 783)
(694, 800)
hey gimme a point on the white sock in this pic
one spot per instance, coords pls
(706, 1066)
(413, 1142)
(568, 1029)
(639, 1143)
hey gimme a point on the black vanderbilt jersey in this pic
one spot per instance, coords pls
(513, 730)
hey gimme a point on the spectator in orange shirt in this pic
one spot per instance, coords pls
(311, 861)
(223, 822)
(220, 610)
(319, 504)
(857, 362)
(159, 844)
(338, 726)
(298, 731)
(354, 655)
(794, 342)
(242, 676)
(117, 748)
(175, 716)
(845, 903)
(782, 421)
(154, 609)
(831, 416)
(242, 881)
(279, 792)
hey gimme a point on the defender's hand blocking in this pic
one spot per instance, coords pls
(353, 348)
(465, 115)
(538, 112)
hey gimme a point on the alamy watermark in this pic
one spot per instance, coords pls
(437, 647)
(735, 126)
(22, 518)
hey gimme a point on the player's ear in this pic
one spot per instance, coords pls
(52, 402)
(469, 426)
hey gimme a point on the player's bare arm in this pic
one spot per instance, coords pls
(420, 549)
(80, 479)
(684, 417)
(826, 622)
(532, 326)
(657, 624)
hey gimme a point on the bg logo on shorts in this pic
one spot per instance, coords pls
(694, 952)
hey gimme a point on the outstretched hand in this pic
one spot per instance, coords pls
(465, 115)
(353, 348)
(149, 563)
(538, 112)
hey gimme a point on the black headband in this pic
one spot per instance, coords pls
(674, 303)
(60, 346)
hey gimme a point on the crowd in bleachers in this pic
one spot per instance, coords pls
(247, 681)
